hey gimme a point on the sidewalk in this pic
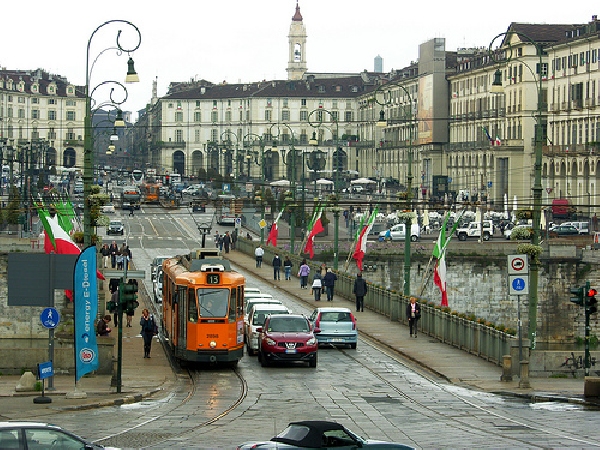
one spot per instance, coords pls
(140, 378)
(445, 361)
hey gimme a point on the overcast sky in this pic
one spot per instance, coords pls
(247, 40)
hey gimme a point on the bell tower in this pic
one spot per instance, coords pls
(297, 41)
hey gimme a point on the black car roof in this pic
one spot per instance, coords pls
(314, 437)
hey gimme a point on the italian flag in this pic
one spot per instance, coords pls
(361, 243)
(314, 228)
(439, 252)
(56, 239)
(274, 231)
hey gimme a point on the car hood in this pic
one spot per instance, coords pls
(290, 335)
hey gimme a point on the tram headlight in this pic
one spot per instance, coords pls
(213, 344)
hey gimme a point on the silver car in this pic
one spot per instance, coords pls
(337, 326)
(256, 319)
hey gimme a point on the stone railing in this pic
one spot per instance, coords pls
(472, 337)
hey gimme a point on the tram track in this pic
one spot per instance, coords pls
(498, 424)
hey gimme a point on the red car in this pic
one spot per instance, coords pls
(287, 337)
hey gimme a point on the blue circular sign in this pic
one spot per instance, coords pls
(50, 318)
(518, 284)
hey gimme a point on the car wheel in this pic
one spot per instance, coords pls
(486, 237)
(462, 237)
(250, 351)
(413, 238)
(353, 346)
(263, 360)
(313, 362)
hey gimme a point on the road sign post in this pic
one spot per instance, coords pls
(518, 284)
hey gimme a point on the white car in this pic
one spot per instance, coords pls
(158, 285)
(256, 319)
(108, 209)
(192, 190)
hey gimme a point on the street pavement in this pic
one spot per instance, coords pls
(156, 377)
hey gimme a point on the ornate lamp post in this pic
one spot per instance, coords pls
(261, 143)
(88, 174)
(292, 175)
(235, 152)
(382, 123)
(537, 169)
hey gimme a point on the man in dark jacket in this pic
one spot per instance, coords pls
(360, 290)
(276, 267)
(226, 241)
(329, 283)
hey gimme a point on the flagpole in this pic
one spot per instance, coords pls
(311, 225)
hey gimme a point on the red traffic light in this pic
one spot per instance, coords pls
(592, 292)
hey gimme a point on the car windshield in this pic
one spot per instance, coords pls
(288, 324)
(259, 317)
(332, 316)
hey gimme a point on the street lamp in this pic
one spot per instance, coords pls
(382, 123)
(261, 143)
(537, 183)
(291, 201)
(235, 152)
(88, 173)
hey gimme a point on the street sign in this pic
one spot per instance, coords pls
(449, 179)
(238, 222)
(262, 223)
(141, 274)
(518, 284)
(489, 184)
(45, 370)
(50, 318)
(518, 265)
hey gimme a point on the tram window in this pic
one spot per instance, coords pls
(213, 302)
(192, 308)
(240, 301)
(232, 304)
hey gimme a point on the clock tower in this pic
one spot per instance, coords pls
(297, 41)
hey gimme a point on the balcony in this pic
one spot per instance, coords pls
(171, 144)
(571, 150)
(73, 143)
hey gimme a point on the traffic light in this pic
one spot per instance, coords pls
(129, 296)
(167, 180)
(591, 301)
(577, 295)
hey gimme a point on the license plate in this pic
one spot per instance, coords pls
(290, 351)
(337, 340)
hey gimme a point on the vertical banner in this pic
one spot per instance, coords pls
(86, 310)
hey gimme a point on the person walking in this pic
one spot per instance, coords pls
(287, 267)
(148, 331)
(323, 270)
(317, 285)
(220, 242)
(258, 254)
(329, 283)
(105, 251)
(234, 238)
(360, 290)
(276, 267)
(114, 249)
(226, 241)
(303, 274)
(413, 313)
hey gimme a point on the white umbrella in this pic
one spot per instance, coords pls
(362, 181)
(280, 183)
(323, 181)
(425, 220)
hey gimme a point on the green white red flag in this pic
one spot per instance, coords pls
(439, 252)
(274, 233)
(361, 243)
(315, 228)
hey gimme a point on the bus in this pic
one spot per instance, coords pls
(174, 178)
(137, 175)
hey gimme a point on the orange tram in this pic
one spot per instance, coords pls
(203, 313)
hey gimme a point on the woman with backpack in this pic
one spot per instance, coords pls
(149, 330)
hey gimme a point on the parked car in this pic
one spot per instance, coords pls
(115, 227)
(253, 301)
(156, 265)
(582, 227)
(510, 227)
(251, 290)
(320, 434)
(256, 319)
(337, 326)
(564, 230)
(32, 435)
(191, 190)
(108, 209)
(397, 233)
(286, 338)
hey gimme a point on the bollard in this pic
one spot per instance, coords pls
(524, 375)
(506, 368)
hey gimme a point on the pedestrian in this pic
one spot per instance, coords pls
(226, 241)
(287, 267)
(303, 274)
(317, 285)
(216, 239)
(258, 253)
(220, 242)
(360, 290)
(329, 283)
(276, 267)
(234, 239)
(105, 251)
(128, 257)
(323, 273)
(413, 313)
(102, 328)
(131, 208)
(248, 236)
(148, 331)
(114, 249)
(120, 258)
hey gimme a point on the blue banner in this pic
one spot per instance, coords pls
(86, 309)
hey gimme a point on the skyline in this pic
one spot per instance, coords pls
(240, 41)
